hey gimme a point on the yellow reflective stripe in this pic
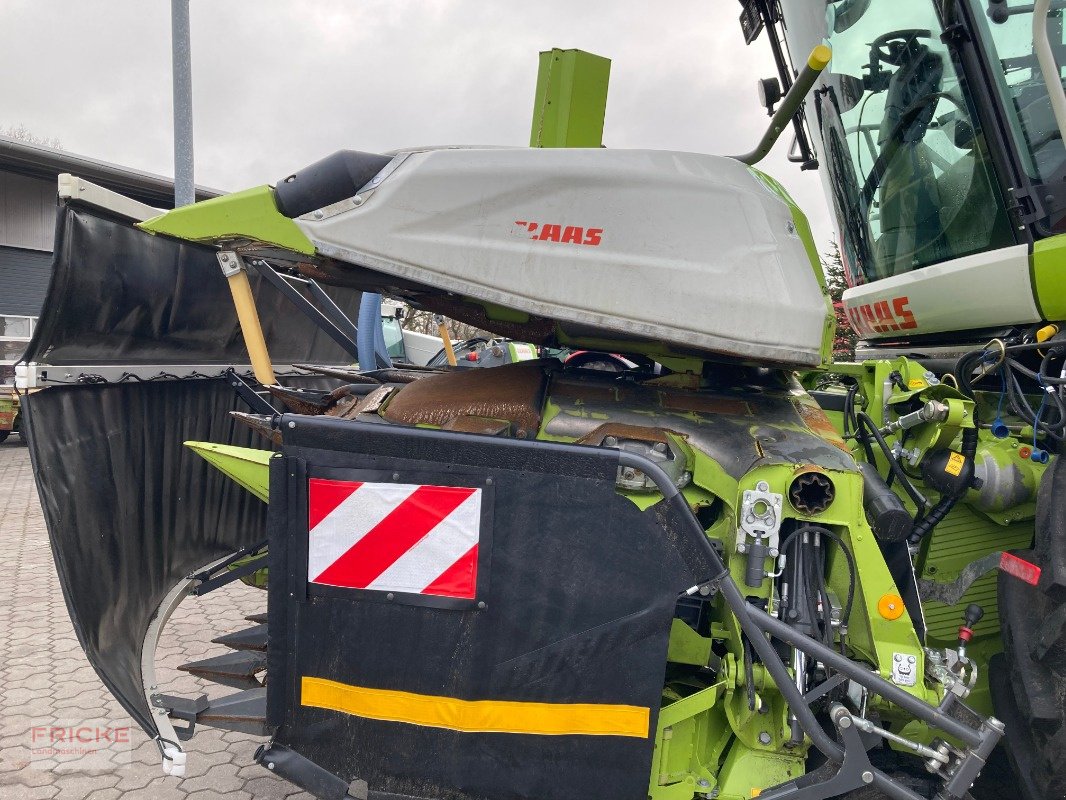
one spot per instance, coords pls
(481, 716)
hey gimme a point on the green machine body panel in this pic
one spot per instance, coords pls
(571, 99)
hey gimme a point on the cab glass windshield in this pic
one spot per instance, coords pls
(903, 156)
(1007, 38)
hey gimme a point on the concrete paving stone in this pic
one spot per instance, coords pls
(29, 776)
(138, 776)
(221, 778)
(43, 792)
(162, 789)
(12, 761)
(104, 794)
(269, 787)
(202, 761)
(211, 794)
(76, 787)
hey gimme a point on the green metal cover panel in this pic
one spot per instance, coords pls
(571, 99)
(1049, 276)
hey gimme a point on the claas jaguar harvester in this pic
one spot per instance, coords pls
(735, 569)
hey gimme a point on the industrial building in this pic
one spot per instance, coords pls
(28, 175)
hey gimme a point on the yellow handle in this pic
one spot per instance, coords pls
(442, 330)
(820, 57)
(250, 327)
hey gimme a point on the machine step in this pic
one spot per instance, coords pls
(254, 638)
(244, 711)
(238, 669)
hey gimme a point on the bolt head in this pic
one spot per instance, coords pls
(765, 738)
(292, 424)
(867, 777)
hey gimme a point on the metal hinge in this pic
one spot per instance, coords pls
(1025, 206)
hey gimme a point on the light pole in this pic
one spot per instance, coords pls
(184, 187)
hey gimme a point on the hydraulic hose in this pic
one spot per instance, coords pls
(865, 422)
(947, 502)
(370, 340)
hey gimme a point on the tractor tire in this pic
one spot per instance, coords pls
(1028, 681)
(4, 435)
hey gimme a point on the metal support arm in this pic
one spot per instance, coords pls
(790, 104)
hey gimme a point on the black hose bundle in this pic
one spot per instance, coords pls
(948, 500)
(814, 579)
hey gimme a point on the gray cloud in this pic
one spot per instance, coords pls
(277, 85)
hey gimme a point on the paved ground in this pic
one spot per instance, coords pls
(46, 681)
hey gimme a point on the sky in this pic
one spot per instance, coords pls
(278, 85)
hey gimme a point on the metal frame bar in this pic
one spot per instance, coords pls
(330, 308)
(249, 395)
(306, 307)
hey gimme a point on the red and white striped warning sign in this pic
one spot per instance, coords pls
(394, 537)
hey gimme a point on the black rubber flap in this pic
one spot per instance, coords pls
(130, 511)
(578, 588)
(119, 295)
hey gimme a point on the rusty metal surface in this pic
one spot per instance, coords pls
(513, 392)
(487, 426)
(351, 375)
(260, 423)
(300, 401)
(739, 428)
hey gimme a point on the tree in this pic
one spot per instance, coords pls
(24, 134)
(836, 283)
(423, 322)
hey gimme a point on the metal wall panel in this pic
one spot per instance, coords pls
(27, 212)
(23, 280)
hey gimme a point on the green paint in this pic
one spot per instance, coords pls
(500, 313)
(250, 215)
(1049, 276)
(571, 99)
(687, 646)
(747, 770)
(245, 465)
(691, 736)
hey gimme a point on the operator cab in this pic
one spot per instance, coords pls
(937, 142)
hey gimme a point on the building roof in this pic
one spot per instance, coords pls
(36, 161)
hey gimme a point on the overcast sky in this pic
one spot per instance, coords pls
(277, 85)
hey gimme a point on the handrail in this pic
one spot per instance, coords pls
(790, 104)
